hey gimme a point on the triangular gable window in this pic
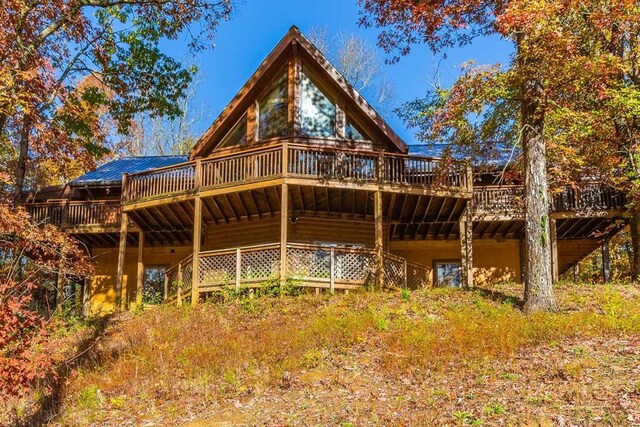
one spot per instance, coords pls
(352, 132)
(237, 136)
(273, 110)
(318, 114)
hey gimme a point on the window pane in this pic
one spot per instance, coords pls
(273, 110)
(153, 285)
(318, 113)
(448, 274)
(351, 132)
(237, 136)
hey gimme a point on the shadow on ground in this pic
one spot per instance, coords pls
(48, 407)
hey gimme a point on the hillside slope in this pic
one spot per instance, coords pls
(432, 357)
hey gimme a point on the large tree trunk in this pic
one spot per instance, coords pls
(21, 167)
(538, 293)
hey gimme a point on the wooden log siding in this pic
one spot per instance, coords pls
(76, 214)
(302, 161)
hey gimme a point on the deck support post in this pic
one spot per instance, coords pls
(576, 272)
(238, 268)
(197, 239)
(140, 273)
(179, 287)
(606, 262)
(379, 240)
(523, 265)
(122, 249)
(332, 269)
(284, 222)
(554, 250)
(165, 289)
(466, 247)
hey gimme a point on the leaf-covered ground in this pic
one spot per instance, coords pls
(432, 357)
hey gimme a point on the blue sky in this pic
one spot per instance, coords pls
(258, 25)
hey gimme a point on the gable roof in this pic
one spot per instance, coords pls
(111, 173)
(276, 58)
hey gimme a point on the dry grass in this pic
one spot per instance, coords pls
(433, 357)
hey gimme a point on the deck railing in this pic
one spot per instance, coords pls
(178, 281)
(75, 214)
(330, 267)
(301, 161)
(509, 199)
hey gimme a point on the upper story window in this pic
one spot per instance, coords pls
(273, 111)
(237, 136)
(318, 114)
(352, 132)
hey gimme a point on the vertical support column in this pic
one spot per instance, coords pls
(284, 223)
(238, 268)
(466, 247)
(379, 240)
(554, 250)
(332, 267)
(122, 248)
(405, 270)
(179, 288)
(197, 239)
(165, 289)
(140, 273)
(606, 262)
(576, 272)
(523, 265)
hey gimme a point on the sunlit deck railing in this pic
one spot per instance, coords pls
(75, 214)
(298, 161)
(509, 199)
(307, 265)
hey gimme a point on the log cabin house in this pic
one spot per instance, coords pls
(300, 180)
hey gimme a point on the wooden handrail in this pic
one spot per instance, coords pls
(76, 213)
(296, 159)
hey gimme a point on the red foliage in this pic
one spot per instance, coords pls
(24, 355)
(29, 252)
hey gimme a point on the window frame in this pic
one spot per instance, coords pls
(165, 267)
(448, 261)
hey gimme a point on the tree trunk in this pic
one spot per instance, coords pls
(538, 286)
(634, 228)
(21, 167)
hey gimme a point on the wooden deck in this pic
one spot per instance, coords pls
(297, 164)
(313, 266)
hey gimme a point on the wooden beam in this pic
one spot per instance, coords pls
(606, 262)
(379, 240)
(217, 206)
(284, 223)
(122, 248)
(466, 248)
(140, 273)
(554, 250)
(266, 198)
(197, 239)
(209, 211)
